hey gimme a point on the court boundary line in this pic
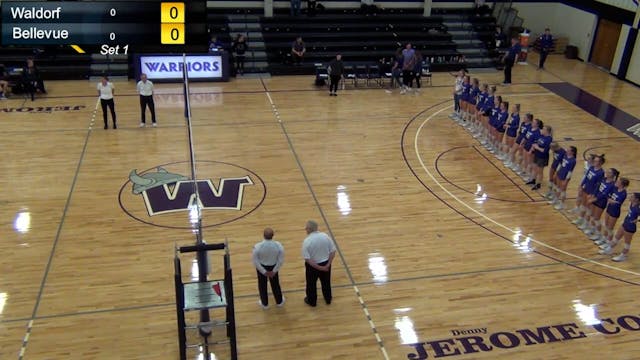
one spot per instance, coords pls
(295, 290)
(45, 276)
(363, 305)
(500, 225)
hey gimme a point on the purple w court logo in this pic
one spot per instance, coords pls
(164, 192)
(161, 195)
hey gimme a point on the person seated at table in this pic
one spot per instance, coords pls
(32, 79)
(297, 51)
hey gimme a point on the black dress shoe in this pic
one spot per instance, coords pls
(535, 187)
(306, 301)
(532, 182)
(328, 301)
(106, 127)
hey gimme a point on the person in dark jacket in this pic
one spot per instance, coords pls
(239, 50)
(335, 70)
(510, 59)
(32, 79)
(546, 46)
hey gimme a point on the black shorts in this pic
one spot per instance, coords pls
(541, 161)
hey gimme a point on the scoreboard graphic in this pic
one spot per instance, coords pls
(112, 25)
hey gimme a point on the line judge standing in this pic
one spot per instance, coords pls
(510, 59)
(145, 89)
(318, 251)
(268, 257)
(105, 91)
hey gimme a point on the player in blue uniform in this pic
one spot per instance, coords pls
(473, 100)
(511, 133)
(529, 139)
(493, 120)
(598, 202)
(616, 199)
(482, 97)
(563, 175)
(541, 156)
(483, 131)
(588, 162)
(558, 153)
(589, 187)
(517, 149)
(625, 231)
(501, 128)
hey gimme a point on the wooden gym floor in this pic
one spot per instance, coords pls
(86, 273)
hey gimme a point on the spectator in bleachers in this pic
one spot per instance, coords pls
(297, 51)
(312, 7)
(335, 70)
(546, 45)
(499, 38)
(295, 7)
(4, 82)
(239, 48)
(32, 79)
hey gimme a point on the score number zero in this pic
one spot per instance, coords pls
(172, 16)
(113, 50)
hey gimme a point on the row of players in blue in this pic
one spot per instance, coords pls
(527, 145)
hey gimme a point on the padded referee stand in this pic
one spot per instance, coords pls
(205, 296)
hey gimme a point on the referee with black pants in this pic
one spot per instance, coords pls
(318, 251)
(145, 89)
(510, 59)
(106, 92)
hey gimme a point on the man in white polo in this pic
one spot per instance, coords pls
(268, 257)
(145, 89)
(318, 251)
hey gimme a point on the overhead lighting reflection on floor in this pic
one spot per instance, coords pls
(342, 199)
(404, 325)
(3, 301)
(378, 268)
(22, 223)
(588, 314)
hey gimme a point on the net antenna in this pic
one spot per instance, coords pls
(195, 206)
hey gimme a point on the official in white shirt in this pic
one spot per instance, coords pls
(268, 257)
(105, 92)
(318, 251)
(145, 89)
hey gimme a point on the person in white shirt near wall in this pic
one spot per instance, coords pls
(318, 251)
(105, 92)
(145, 89)
(268, 257)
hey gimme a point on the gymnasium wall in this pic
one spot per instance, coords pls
(633, 74)
(575, 24)
(623, 4)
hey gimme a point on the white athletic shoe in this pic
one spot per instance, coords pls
(595, 237)
(620, 257)
(282, 303)
(584, 226)
(600, 242)
(264, 307)
(154, 125)
(559, 206)
(142, 125)
(577, 221)
(607, 250)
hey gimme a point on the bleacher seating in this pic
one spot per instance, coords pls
(54, 63)
(357, 37)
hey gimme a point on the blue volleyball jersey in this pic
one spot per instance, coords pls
(466, 91)
(493, 115)
(501, 120)
(604, 190)
(524, 129)
(531, 137)
(512, 130)
(592, 179)
(488, 103)
(482, 97)
(558, 155)
(617, 198)
(565, 168)
(473, 95)
(545, 143)
(629, 221)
